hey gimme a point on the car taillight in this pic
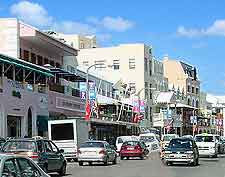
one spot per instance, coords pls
(102, 152)
(33, 155)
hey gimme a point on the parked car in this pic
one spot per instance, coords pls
(17, 166)
(121, 139)
(2, 141)
(166, 139)
(96, 151)
(150, 139)
(44, 152)
(207, 145)
(133, 149)
(182, 150)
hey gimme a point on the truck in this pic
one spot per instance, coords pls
(68, 135)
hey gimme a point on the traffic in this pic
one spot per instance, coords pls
(42, 156)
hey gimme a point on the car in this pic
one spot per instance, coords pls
(121, 139)
(182, 150)
(17, 166)
(207, 144)
(188, 136)
(43, 151)
(150, 139)
(2, 141)
(166, 139)
(96, 151)
(133, 149)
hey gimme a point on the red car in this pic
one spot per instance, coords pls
(133, 149)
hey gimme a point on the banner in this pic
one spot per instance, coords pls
(83, 89)
(92, 91)
(142, 106)
(88, 111)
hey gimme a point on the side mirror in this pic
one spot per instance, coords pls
(61, 151)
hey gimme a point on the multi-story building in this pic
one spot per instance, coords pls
(183, 77)
(133, 64)
(75, 40)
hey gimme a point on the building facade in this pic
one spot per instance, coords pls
(134, 65)
(183, 77)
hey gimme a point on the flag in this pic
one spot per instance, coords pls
(88, 111)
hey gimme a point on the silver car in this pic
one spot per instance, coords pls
(96, 151)
(17, 166)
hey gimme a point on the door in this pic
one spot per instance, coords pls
(52, 156)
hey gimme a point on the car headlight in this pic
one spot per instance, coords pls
(189, 152)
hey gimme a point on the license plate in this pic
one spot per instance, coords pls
(90, 153)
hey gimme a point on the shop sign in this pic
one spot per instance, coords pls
(92, 91)
(68, 104)
(136, 107)
(142, 106)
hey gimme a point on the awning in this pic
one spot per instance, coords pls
(67, 75)
(166, 98)
(25, 64)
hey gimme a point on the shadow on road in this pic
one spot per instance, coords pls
(57, 175)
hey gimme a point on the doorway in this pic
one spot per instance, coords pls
(13, 126)
(29, 123)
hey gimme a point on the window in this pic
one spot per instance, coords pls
(10, 168)
(46, 61)
(116, 64)
(132, 87)
(197, 90)
(146, 64)
(33, 58)
(189, 88)
(85, 63)
(39, 60)
(100, 64)
(57, 129)
(192, 90)
(132, 63)
(26, 55)
(150, 67)
(27, 168)
(189, 101)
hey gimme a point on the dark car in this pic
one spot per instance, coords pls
(182, 150)
(133, 149)
(2, 142)
(44, 152)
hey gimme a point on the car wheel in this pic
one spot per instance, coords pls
(121, 157)
(115, 161)
(106, 161)
(62, 171)
(81, 163)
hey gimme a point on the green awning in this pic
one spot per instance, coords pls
(26, 65)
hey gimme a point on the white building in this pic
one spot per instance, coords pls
(133, 63)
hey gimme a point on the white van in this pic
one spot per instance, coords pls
(207, 144)
(121, 139)
(151, 140)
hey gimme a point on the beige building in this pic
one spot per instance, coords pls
(183, 77)
(131, 63)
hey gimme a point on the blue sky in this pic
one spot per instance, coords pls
(190, 30)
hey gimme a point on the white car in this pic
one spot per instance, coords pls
(16, 166)
(151, 140)
(207, 145)
(166, 139)
(96, 151)
(121, 139)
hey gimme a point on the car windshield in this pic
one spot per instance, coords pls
(180, 143)
(204, 139)
(147, 138)
(92, 144)
(168, 137)
(21, 146)
(130, 143)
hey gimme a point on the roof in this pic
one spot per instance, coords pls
(165, 98)
(25, 64)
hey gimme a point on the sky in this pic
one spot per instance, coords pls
(189, 30)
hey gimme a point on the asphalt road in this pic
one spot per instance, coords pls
(151, 167)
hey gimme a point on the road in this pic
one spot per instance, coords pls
(151, 167)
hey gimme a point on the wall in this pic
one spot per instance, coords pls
(15, 106)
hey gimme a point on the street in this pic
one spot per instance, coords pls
(151, 167)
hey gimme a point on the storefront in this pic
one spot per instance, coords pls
(22, 98)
